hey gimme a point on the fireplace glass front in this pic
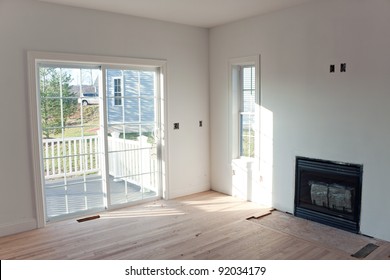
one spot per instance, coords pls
(328, 192)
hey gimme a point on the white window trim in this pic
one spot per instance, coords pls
(235, 107)
(36, 57)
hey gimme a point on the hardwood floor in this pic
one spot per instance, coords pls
(203, 226)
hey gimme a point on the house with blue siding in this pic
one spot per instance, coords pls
(130, 100)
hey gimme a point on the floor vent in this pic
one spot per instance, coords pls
(88, 218)
(365, 251)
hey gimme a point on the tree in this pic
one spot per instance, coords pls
(57, 100)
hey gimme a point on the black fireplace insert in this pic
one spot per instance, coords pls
(329, 192)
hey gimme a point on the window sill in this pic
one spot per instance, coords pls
(243, 162)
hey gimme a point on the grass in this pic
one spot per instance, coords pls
(90, 123)
(73, 129)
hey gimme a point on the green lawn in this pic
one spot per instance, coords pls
(90, 123)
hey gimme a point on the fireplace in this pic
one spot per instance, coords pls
(328, 192)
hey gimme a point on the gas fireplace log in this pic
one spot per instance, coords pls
(319, 193)
(340, 198)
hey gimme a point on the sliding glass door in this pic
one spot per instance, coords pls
(99, 141)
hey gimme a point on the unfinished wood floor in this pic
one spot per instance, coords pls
(204, 226)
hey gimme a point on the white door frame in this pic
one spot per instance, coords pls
(34, 58)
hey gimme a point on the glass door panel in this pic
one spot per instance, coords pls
(69, 141)
(131, 126)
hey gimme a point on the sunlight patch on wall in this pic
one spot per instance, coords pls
(252, 179)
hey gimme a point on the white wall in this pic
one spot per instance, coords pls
(341, 116)
(31, 25)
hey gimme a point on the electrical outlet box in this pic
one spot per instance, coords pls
(200, 123)
(176, 126)
(343, 67)
(332, 68)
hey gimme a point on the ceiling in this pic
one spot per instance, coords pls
(201, 13)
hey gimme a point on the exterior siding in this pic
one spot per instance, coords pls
(137, 101)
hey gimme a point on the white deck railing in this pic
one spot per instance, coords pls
(132, 160)
(71, 156)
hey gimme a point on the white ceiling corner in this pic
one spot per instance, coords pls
(201, 13)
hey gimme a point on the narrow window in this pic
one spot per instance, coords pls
(247, 112)
(244, 106)
(118, 91)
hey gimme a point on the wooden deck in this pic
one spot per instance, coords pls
(203, 226)
(89, 196)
